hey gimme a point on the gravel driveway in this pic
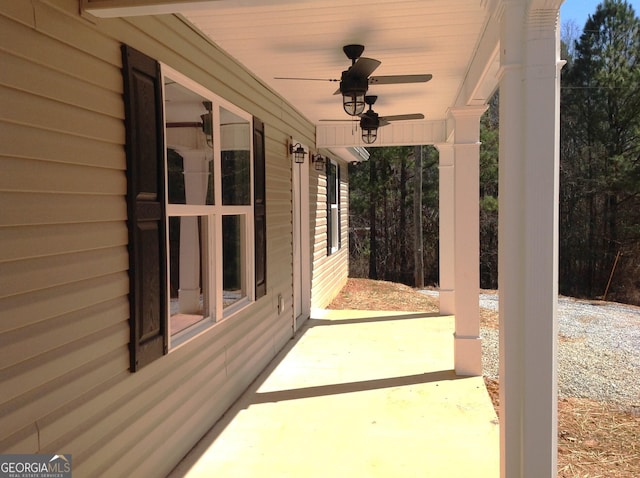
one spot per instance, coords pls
(598, 350)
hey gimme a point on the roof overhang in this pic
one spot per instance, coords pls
(457, 41)
(355, 154)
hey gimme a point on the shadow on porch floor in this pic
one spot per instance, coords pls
(357, 394)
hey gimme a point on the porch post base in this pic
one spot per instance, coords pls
(467, 353)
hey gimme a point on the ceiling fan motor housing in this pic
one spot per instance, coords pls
(353, 84)
(369, 123)
(370, 120)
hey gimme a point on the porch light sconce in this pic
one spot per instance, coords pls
(207, 125)
(318, 162)
(353, 90)
(298, 152)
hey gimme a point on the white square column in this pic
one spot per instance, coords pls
(528, 236)
(446, 196)
(460, 234)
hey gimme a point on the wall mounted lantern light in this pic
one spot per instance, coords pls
(207, 123)
(298, 152)
(318, 162)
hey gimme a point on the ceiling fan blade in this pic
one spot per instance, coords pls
(364, 67)
(385, 120)
(303, 79)
(396, 79)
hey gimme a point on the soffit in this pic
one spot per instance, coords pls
(284, 38)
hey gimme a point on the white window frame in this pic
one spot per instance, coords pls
(334, 216)
(214, 213)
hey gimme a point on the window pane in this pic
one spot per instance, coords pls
(187, 272)
(189, 133)
(235, 152)
(333, 208)
(332, 188)
(233, 246)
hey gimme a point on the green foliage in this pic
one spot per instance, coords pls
(600, 152)
(489, 204)
(381, 215)
(489, 147)
(599, 175)
(381, 210)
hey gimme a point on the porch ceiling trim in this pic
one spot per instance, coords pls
(131, 8)
(395, 134)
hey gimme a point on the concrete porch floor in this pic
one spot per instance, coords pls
(357, 394)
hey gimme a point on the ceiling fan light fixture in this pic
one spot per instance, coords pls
(353, 90)
(353, 104)
(369, 136)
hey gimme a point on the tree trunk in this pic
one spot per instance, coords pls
(403, 259)
(417, 219)
(373, 230)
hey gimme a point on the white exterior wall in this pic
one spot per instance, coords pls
(65, 385)
(329, 273)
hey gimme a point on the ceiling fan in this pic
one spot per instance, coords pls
(355, 81)
(370, 121)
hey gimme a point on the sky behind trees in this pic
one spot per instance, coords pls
(579, 10)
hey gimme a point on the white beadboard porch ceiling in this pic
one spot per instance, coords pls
(287, 38)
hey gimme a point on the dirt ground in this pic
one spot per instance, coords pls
(595, 439)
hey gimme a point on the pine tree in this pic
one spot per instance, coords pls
(600, 150)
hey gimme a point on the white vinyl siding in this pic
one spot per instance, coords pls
(65, 383)
(330, 272)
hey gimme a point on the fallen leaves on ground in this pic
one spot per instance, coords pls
(367, 294)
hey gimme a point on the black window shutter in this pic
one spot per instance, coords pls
(338, 202)
(330, 185)
(146, 207)
(259, 208)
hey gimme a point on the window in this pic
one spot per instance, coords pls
(196, 207)
(209, 207)
(333, 208)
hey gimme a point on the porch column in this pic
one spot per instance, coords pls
(528, 236)
(196, 175)
(460, 234)
(446, 216)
